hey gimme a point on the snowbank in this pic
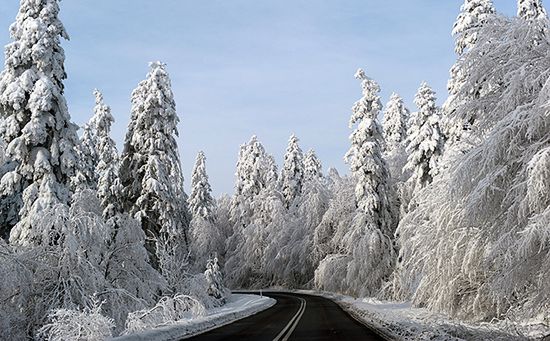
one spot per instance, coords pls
(238, 306)
(401, 321)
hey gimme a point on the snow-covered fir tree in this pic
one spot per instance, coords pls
(88, 157)
(531, 10)
(214, 278)
(107, 167)
(370, 239)
(368, 167)
(364, 251)
(250, 180)
(37, 130)
(206, 236)
(150, 171)
(425, 139)
(473, 14)
(200, 200)
(292, 173)
(396, 116)
(255, 205)
(292, 237)
(313, 169)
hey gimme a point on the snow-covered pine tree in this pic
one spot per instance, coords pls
(150, 171)
(363, 251)
(37, 130)
(313, 170)
(262, 235)
(255, 205)
(87, 155)
(200, 200)
(369, 241)
(531, 10)
(288, 265)
(214, 278)
(396, 116)
(473, 14)
(107, 167)
(292, 174)
(250, 181)
(425, 140)
(368, 167)
(206, 237)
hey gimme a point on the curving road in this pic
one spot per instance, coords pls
(294, 317)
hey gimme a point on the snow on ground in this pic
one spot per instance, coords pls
(238, 306)
(401, 321)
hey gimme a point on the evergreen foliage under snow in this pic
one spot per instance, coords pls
(456, 222)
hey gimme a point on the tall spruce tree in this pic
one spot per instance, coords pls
(372, 191)
(250, 180)
(313, 169)
(292, 174)
(200, 201)
(425, 141)
(150, 171)
(395, 123)
(207, 239)
(370, 240)
(473, 14)
(107, 167)
(364, 251)
(531, 9)
(87, 155)
(37, 130)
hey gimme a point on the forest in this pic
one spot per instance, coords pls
(447, 207)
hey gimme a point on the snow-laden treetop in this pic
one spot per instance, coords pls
(473, 14)
(37, 130)
(531, 9)
(395, 123)
(370, 105)
(200, 201)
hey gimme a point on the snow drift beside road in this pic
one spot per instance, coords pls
(402, 321)
(238, 307)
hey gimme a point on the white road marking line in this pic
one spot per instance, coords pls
(293, 322)
(291, 330)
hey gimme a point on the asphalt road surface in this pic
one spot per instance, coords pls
(294, 317)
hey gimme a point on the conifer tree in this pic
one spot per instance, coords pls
(214, 278)
(207, 238)
(313, 170)
(37, 130)
(200, 201)
(372, 191)
(395, 123)
(425, 141)
(364, 251)
(531, 9)
(150, 171)
(473, 14)
(292, 174)
(87, 155)
(107, 167)
(250, 180)
(369, 242)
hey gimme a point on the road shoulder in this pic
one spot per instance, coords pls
(238, 307)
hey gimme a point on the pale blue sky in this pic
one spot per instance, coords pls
(244, 67)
